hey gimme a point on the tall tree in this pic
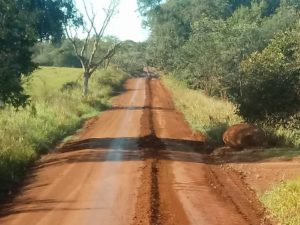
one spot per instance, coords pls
(88, 59)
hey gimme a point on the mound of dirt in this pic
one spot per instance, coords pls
(243, 135)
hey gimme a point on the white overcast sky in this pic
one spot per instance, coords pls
(126, 25)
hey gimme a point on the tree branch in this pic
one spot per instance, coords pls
(110, 53)
(88, 62)
(110, 12)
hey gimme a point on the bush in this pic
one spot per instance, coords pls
(271, 81)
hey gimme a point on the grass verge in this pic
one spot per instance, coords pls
(210, 116)
(283, 202)
(56, 110)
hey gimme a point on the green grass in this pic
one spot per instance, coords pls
(52, 115)
(51, 79)
(210, 116)
(283, 201)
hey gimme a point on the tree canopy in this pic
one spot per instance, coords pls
(206, 42)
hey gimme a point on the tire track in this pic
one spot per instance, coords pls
(151, 146)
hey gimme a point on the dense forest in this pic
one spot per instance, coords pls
(242, 50)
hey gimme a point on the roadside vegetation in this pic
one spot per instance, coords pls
(213, 115)
(283, 202)
(207, 115)
(57, 109)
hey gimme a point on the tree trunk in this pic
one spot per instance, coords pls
(86, 78)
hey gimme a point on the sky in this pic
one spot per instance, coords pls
(126, 24)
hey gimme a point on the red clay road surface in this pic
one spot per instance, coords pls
(137, 163)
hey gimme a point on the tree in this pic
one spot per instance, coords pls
(22, 24)
(88, 59)
(147, 5)
(199, 62)
(15, 41)
(50, 15)
(272, 79)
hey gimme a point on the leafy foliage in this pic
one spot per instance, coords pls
(271, 80)
(49, 16)
(23, 22)
(206, 43)
(15, 57)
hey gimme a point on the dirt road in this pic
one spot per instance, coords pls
(137, 163)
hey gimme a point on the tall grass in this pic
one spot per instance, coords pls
(53, 114)
(210, 116)
(283, 202)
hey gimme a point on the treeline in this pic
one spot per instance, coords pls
(129, 56)
(242, 50)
